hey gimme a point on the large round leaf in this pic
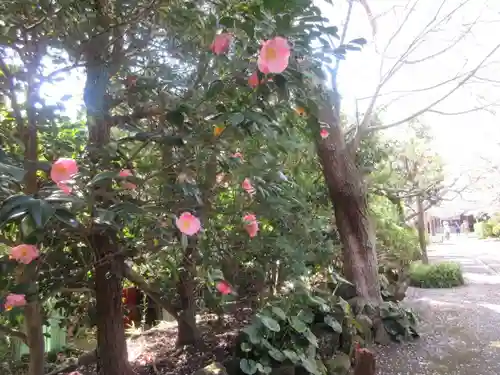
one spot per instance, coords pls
(248, 366)
(269, 322)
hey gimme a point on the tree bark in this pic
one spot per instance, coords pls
(112, 357)
(422, 239)
(33, 309)
(188, 332)
(348, 195)
(34, 332)
(154, 294)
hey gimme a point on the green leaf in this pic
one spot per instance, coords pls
(298, 324)
(253, 334)
(227, 22)
(311, 337)
(263, 368)
(276, 354)
(306, 315)
(27, 226)
(245, 347)
(15, 172)
(236, 118)
(103, 176)
(359, 41)
(310, 365)
(269, 322)
(41, 212)
(291, 355)
(332, 30)
(62, 197)
(175, 117)
(259, 118)
(279, 312)
(332, 322)
(339, 364)
(14, 214)
(66, 218)
(248, 366)
(215, 88)
(14, 201)
(184, 241)
(127, 208)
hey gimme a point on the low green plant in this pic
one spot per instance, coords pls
(399, 322)
(291, 332)
(437, 275)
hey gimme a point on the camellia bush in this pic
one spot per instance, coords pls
(191, 172)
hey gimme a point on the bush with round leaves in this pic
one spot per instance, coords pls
(307, 329)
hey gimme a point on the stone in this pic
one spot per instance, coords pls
(340, 364)
(286, 369)
(215, 368)
(381, 335)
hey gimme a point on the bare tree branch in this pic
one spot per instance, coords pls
(440, 100)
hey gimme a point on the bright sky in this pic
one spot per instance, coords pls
(462, 140)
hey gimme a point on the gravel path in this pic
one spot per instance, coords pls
(460, 327)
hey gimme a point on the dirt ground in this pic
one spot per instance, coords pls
(154, 351)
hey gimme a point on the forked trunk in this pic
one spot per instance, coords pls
(348, 195)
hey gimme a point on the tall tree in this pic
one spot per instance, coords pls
(337, 152)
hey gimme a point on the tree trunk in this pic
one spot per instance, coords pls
(188, 332)
(348, 195)
(34, 333)
(421, 230)
(33, 310)
(151, 291)
(112, 357)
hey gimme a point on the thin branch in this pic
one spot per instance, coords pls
(440, 100)
(6, 331)
(12, 96)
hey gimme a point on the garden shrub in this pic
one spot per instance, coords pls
(397, 248)
(399, 322)
(307, 329)
(495, 231)
(438, 275)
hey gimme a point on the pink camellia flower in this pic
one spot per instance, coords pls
(247, 186)
(127, 173)
(237, 155)
(253, 80)
(65, 187)
(274, 55)
(251, 225)
(188, 224)
(75, 373)
(323, 133)
(224, 287)
(63, 170)
(24, 253)
(14, 300)
(221, 43)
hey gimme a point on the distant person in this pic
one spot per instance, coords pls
(465, 227)
(446, 230)
(457, 228)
